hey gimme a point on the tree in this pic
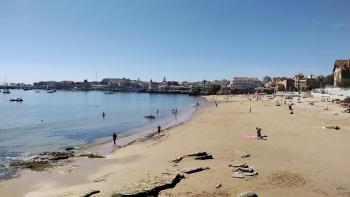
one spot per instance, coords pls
(321, 81)
(344, 83)
(330, 79)
(214, 89)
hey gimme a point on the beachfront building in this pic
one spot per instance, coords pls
(301, 82)
(341, 70)
(283, 83)
(245, 83)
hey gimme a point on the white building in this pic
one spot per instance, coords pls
(245, 83)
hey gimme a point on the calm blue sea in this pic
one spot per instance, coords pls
(46, 121)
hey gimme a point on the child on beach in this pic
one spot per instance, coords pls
(159, 128)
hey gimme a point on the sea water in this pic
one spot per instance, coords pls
(47, 122)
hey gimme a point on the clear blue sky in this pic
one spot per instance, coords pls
(182, 39)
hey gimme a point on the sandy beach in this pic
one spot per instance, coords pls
(299, 157)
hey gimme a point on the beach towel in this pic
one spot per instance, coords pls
(250, 137)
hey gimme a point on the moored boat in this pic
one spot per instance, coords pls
(151, 116)
(109, 92)
(6, 91)
(17, 100)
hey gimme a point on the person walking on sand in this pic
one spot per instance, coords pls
(159, 128)
(250, 109)
(114, 139)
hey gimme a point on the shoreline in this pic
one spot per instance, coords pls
(299, 155)
(101, 146)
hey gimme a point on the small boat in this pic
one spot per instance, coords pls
(51, 91)
(27, 88)
(151, 116)
(6, 91)
(109, 92)
(17, 100)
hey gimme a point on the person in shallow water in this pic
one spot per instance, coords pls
(103, 114)
(114, 139)
(159, 128)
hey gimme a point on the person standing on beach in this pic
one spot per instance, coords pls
(159, 128)
(114, 139)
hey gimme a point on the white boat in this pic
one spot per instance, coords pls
(6, 91)
(51, 91)
(109, 92)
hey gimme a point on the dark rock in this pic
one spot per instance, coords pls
(194, 170)
(69, 148)
(205, 157)
(150, 186)
(200, 154)
(92, 193)
(92, 156)
(54, 156)
(177, 160)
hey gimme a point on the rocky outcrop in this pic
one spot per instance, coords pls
(31, 164)
(92, 155)
(43, 161)
(242, 170)
(196, 156)
(150, 186)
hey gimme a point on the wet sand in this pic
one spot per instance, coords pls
(299, 157)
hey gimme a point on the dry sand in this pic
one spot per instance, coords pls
(299, 158)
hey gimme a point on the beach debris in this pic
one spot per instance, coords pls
(248, 194)
(339, 188)
(240, 153)
(92, 155)
(218, 185)
(196, 156)
(346, 111)
(242, 165)
(193, 170)
(151, 186)
(331, 127)
(238, 175)
(242, 170)
(92, 193)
